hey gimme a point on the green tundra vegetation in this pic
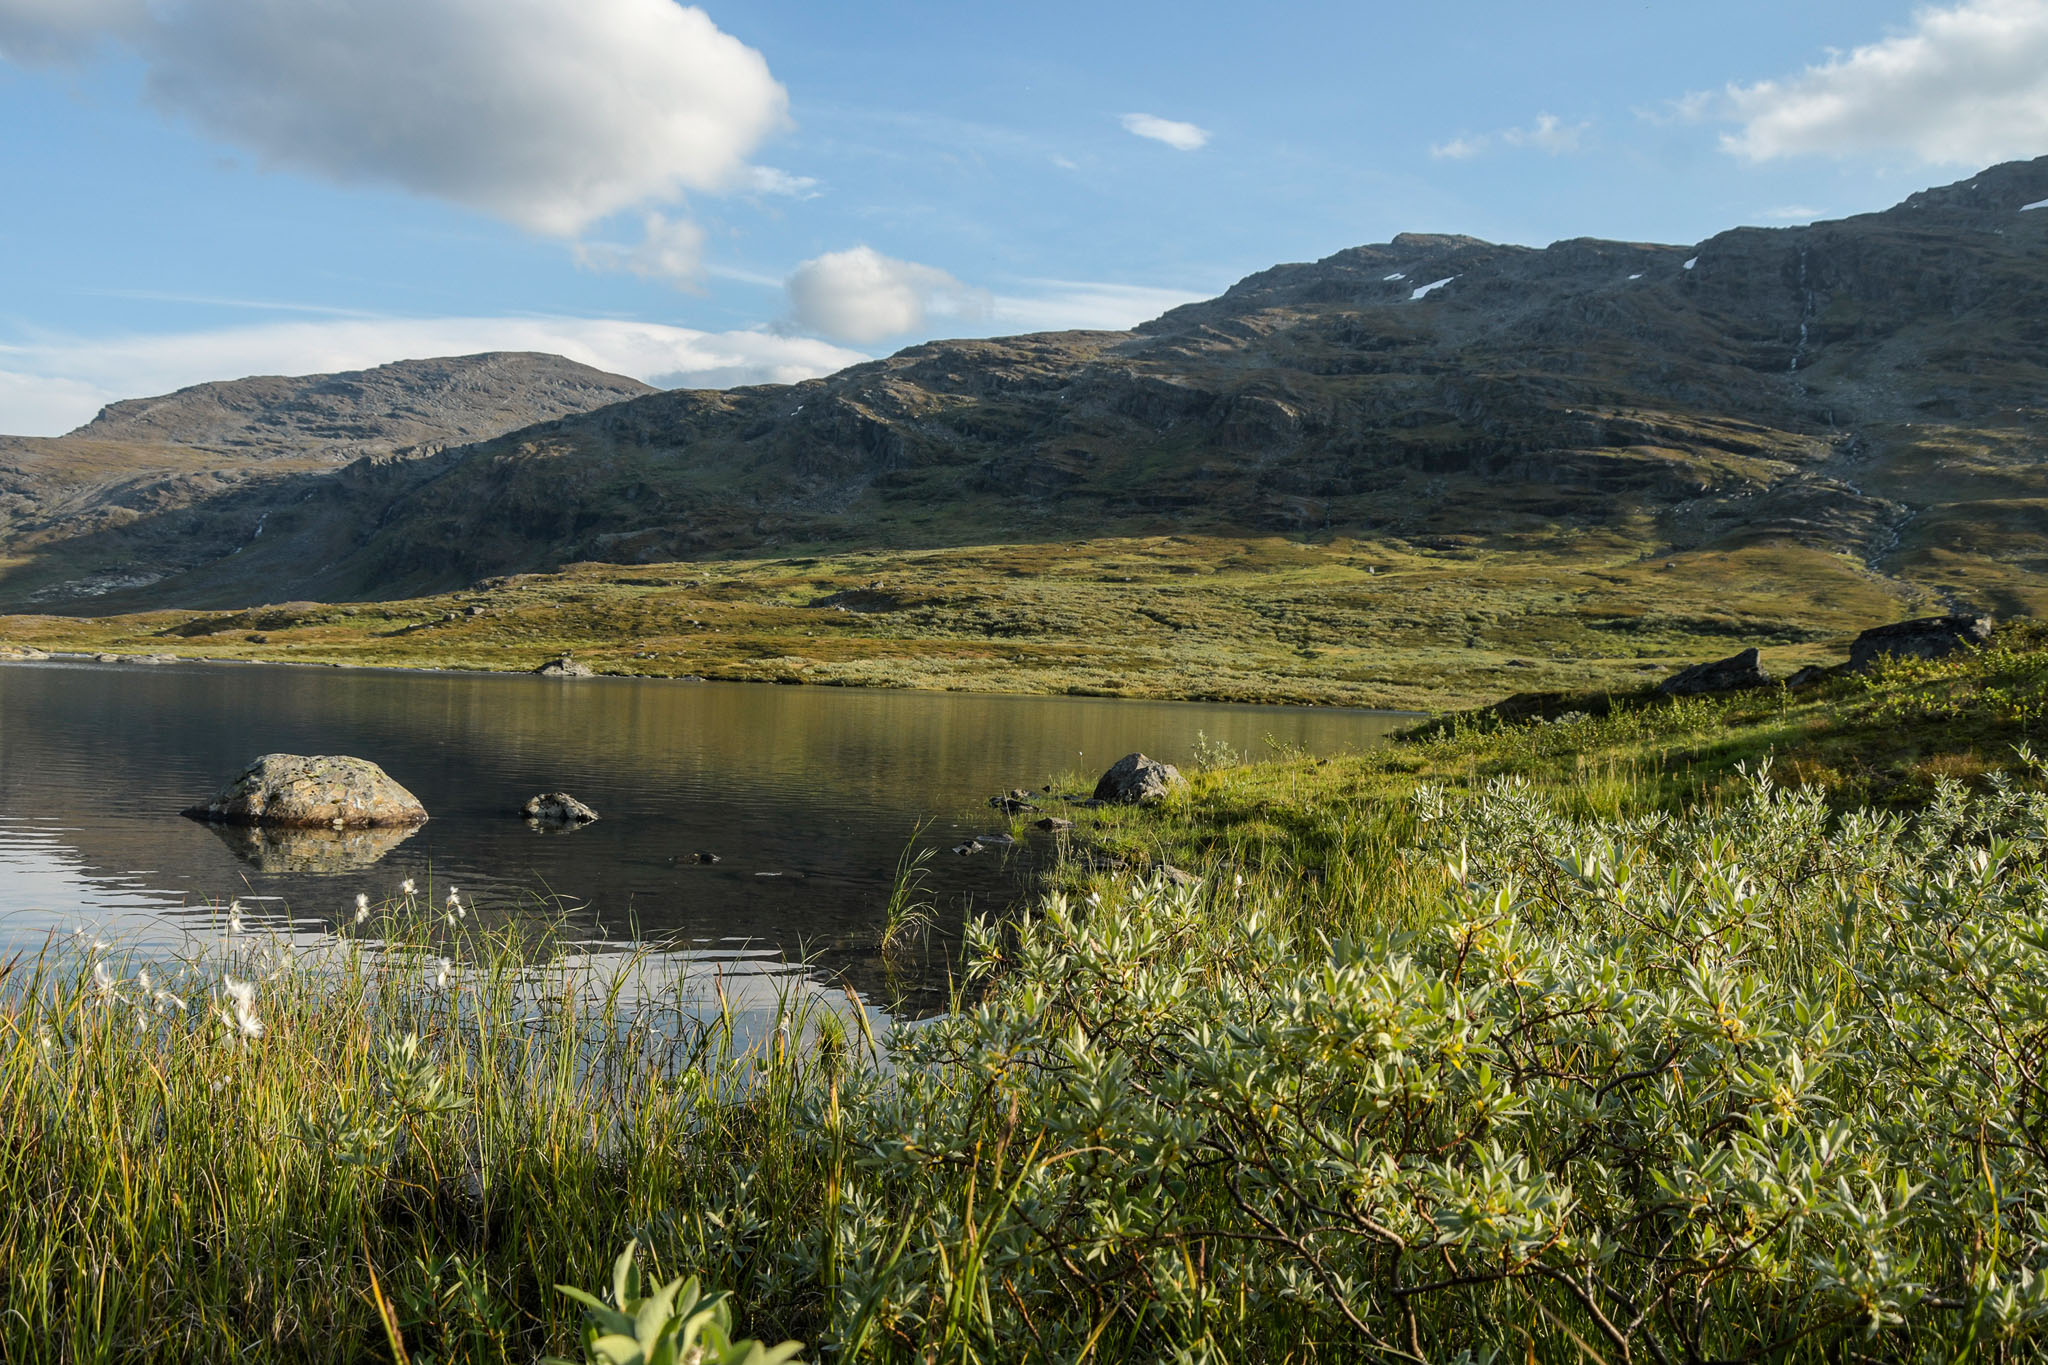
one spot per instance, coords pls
(1694, 1030)
(1229, 618)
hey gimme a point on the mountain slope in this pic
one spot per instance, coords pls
(1868, 388)
(138, 460)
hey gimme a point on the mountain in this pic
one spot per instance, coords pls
(120, 475)
(1869, 388)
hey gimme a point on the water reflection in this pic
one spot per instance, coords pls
(807, 797)
(311, 852)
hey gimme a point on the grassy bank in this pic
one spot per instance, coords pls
(1334, 622)
(1565, 1041)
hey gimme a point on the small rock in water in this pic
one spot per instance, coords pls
(971, 846)
(1054, 822)
(564, 667)
(701, 857)
(557, 808)
(994, 840)
(104, 658)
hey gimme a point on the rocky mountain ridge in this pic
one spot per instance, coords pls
(1869, 387)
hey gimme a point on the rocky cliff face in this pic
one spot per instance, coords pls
(1870, 386)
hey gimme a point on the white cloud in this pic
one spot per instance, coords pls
(862, 296)
(1792, 213)
(51, 385)
(1966, 85)
(1460, 148)
(769, 180)
(670, 249)
(1548, 133)
(1063, 305)
(1182, 137)
(548, 114)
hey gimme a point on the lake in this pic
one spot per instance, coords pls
(808, 796)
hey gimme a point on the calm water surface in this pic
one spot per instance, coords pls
(807, 795)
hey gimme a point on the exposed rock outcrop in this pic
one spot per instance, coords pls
(1926, 637)
(294, 791)
(1731, 674)
(21, 653)
(564, 667)
(1135, 780)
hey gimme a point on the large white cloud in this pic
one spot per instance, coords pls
(1966, 85)
(51, 385)
(862, 296)
(551, 114)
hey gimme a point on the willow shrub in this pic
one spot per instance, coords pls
(1755, 1082)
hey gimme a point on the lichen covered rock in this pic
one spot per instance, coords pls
(330, 791)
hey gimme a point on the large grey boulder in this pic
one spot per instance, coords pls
(564, 667)
(557, 808)
(1926, 637)
(1135, 780)
(1731, 674)
(294, 791)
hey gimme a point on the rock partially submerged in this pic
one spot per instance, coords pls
(1135, 780)
(1926, 637)
(21, 653)
(323, 791)
(564, 667)
(557, 808)
(1731, 674)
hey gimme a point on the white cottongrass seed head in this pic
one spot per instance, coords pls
(242, 998)
(362, 907)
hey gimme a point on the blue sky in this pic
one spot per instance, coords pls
(199, 189)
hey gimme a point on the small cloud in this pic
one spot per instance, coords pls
(768, 180)
(669, 249)
(1065, 163)
(1792, 213)
(1966, 85)
(1063, 305)
(1548, 134)
(862, 296)
(1688, 108)
(1460, 148)
(1182, 137)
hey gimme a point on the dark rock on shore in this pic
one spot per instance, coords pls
(1731, 674)
(557, 808)
(1135, 780)
(1054, 823)
(1926, 637)
(294, 791)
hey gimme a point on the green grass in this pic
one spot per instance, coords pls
(1329, 622)
(1561, 1039)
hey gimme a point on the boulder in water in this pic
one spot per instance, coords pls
(1135, 780)
(557, 808)
(330, 791)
